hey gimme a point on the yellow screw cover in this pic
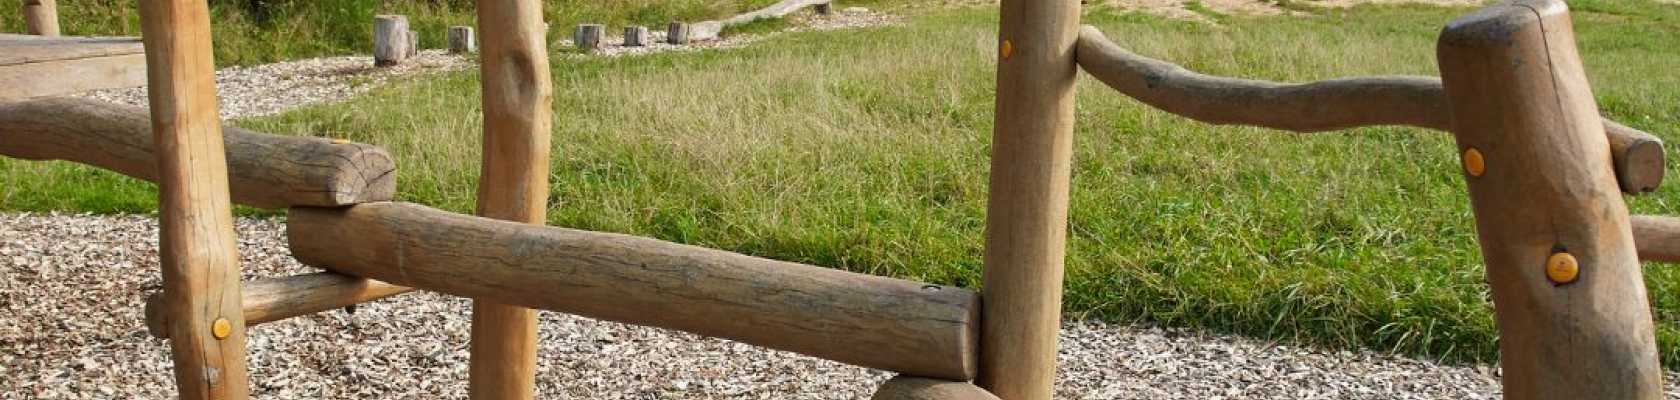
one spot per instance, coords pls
(1473, 162)
(221, 328)
(1562, 268)
(1006, 48)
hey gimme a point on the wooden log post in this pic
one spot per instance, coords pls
(1657, 237)
(413, 44)
(513, 185)
(587, 37)
(904, 387)
(878, 322)
(40, 17)
(264, 171)
(200, 262)
(390, 40)
(1570, 303)
(461, 40)
(1026, 213)
(275, 299)
(635, 36)
(676, 33)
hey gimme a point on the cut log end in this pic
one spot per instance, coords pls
(588, 36)
(914, 388)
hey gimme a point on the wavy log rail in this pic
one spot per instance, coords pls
(1321, 106)
(264, 171)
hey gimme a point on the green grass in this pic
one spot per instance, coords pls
(304, 28)
(863, 151)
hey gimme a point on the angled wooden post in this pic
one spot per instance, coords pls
(40, 17)
(1026, 214)
(514, 182)
(200, 263)
(1571, 306)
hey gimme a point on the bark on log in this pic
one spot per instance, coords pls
(265, 171)
(587, 37)
(198, 254)
(390, 40)
(1573, 316)
(635, 36)
(461, 40)
(276, 299)
(885, 323)
(913, 388)
(1320, 106)
(1657, 237)
(40, 17)
(676, 33)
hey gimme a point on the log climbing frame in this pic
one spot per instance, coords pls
(1545, 174)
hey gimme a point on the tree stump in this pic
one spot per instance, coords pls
(390, 40)
(588, 36)
(635, 36)
(677, 33)
(413, 44)
(461, 40)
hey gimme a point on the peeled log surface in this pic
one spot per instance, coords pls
(276, 299)
(708, 30)
(914, 388)
(265, 171)
(877, 322)
(1656, 237)
(1321, 106)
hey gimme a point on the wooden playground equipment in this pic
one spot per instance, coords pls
(1545, 174)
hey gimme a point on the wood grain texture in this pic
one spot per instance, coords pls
(517, 97)
(914, 388)
(1657, 238)
(1513, 72)
(196, 244)
(35, 66)
(269, 300)
(390, 40)
(1321, 106)
(40, 17)
(1026, 212)
(877, 322)
(265, 171)
(24, 49)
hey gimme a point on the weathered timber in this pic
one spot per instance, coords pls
(587, 37)
(1027, 203)
(265, 171)
(1657, 238)
(635, 36)
(413, 44)
(878, 322)
(40, 17)
(709, 30)
(461, 40)
(516, 94)
(35, 66)
(914, 388)
(1321, 106)
(1571, 306)
(275, 299)
(196, 246)
(390, 40)
(676, 33)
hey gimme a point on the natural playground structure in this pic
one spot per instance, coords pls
(1545, 173)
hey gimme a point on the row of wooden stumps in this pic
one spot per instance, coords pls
(394, 42)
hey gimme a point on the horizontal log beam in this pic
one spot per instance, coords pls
(1657, 238)
(1320, 106)
(264, 171)
(913, 388)
(877, 322)
(270, 300)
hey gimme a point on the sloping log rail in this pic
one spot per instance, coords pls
(270, 300)
(264, 171)
(1320, 106)
(891, 324)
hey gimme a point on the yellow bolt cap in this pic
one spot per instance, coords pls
(1562, 268)
(1006, 49)
(221, 328)
(1473, 162)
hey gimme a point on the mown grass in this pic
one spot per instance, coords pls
(864, 151)
(304, 28)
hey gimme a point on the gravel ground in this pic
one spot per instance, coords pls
(71, 289)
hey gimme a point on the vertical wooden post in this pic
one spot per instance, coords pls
(40, 17)
(199, 259)
(588, 36)
(1571, 306)
(390, 40)
(1026, 214)
(461, 40)
(514, 183)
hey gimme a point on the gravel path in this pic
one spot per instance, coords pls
(71, 289)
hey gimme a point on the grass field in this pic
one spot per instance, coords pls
(867, 150)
